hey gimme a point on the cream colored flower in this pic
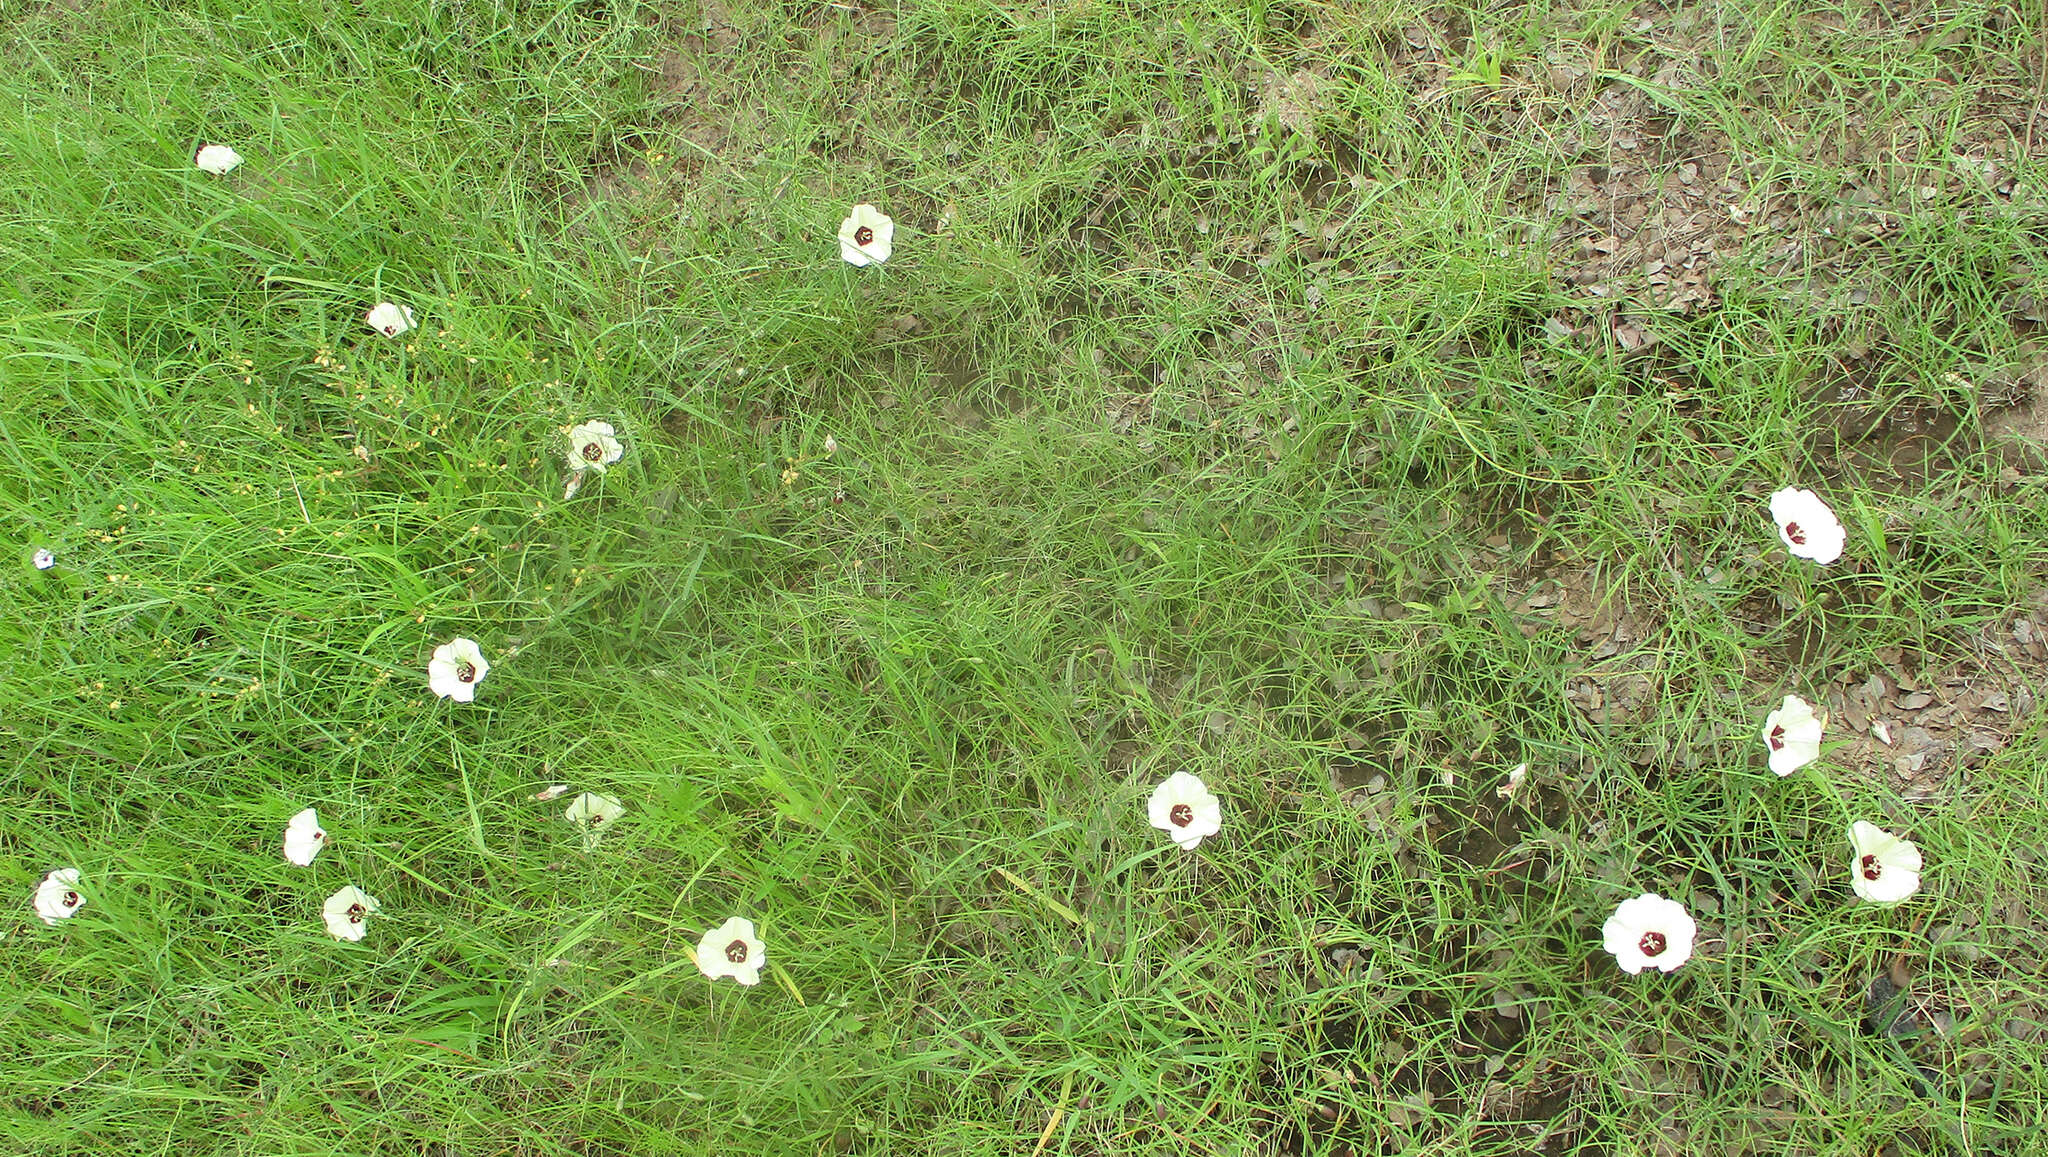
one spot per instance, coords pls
(1792, 734)
(457, 667)
(731, 949)
(58, 897)
(1649, 931)
(348, 913)
(390, 320)
(1517, 776)
(303, 838)
(1808, 526)
(216, 159)
(867, 236)
(1183, 808)
(1887, 868)
(43, 559)
(594, 446)
(592, 813)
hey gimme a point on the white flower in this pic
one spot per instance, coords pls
(593, 446)
(216, 159)
(1649, 931)
(390, 320)
(732, 950)
(554, 791)
(866, 236)
(303, 838)
(1887, 868)
(57, 897)
(1183, 808)
(348, 913)
(457, 667)
(592, 812)
(1792, 733)
(1517, 776)
(1809, 528)
(44, 560)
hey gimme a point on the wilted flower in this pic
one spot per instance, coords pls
(457, 667)
(592, 812)
(1887, 868)
(1517, 776)
(1792, 733)
(216, 159)
(867, 235)
(348, 913)
(390, 320)
(1183, 808)
(1649, 931)
(1808, 526)
(732, 950)
(43, 559)
(57, 897)
(554, 791)
(303, 838)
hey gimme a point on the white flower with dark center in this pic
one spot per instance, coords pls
(1649, 932)
(58, 897)
(390, 320)
(303, 838)
(1808, 526)
(867, 236)
(216, 159)
(1887, 868)
(593, 813)
(731, 949)
(1183, 808)
(348, 913)
(1792, 733)
(43, 559)
(457, 667)
(594, 446)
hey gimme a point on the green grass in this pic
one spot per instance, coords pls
(1205, 419)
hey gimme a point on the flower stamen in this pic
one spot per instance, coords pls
(71, 899)
(1797, 535)
(355, 913)
(736, 952)
(1181, 815)
(1652, 944)
(863, 236)
(1777, 738)
(466, 672)
(1870, 869)
(592, 451)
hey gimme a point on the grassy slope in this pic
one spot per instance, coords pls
(1270, 563)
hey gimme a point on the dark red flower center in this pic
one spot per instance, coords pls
(1870, 869)
(391, 331)
(465, 672)
(1777, 739)
(1652, 944)
(1181, 816)
(596, 818)
(1797, 535)
(736, 952)
(71, 899)
(355, 913)
(863, 236)
(592, 451)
